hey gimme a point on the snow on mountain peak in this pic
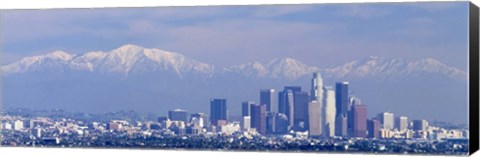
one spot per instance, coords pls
(133, 59)
(392, 68)
(287, 68)
(60, 55)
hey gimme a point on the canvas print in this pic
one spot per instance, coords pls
(384, 78)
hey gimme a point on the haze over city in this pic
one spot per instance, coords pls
(389, 52)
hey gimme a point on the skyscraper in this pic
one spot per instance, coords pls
(401, 123)
(218, 110)
(316, 87)
(359, 120)
(258, 118)
(300, 114)
(315, 118)
(373, 127)
(267, 97)
(178, 115)
(246, 107)
(350, 117)
(387, 120)
(341, 106)
(328, 112)
(285, 103)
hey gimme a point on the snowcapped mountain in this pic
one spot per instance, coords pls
(133, 77)
(287, 68)
(57, 60)
(129, 59)
(393, 68)
(126, 59)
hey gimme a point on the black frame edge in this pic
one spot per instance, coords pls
(474, 116)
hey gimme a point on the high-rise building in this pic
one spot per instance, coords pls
(341, 106)
(281, 123)
(300, 114)
(178, 115)
(373, 127)
(218, 110)
(267, 97)
(350, 119)
(245, 123)
(328, 112)
(359, 120)
(285, 103)
(246, 107)
(258, 118)
(401, 123)
(387, 120)
(270, 122)
(316, 87)
(315, 118)
(420, 125)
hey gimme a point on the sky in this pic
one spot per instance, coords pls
(321, 35)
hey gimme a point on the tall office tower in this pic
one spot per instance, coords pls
(270, 122)
(328, 112)
(246, 107)
(373, 127)
(246, 123)
(218, 110)
(300, 114)
(420, 125)
(401, 123)
(341, 106)
(315, 118)
(350, 119)
(259, 116)
(281, 124)
(285, 103)
(178, 115)
(359, 120)
(387, 120)
(316, 87)
(267, 97)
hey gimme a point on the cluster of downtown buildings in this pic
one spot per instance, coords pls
(291, 119)
(324, 112)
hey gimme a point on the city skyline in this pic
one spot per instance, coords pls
(149, 59)
(380, 78)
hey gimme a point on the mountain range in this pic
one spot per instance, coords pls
(135, 77)
(133, 59)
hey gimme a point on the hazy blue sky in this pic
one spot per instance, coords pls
(321, 35)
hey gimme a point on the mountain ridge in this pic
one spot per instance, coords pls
(132, 58)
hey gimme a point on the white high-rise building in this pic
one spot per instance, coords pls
(329, 112)
(245, 123)
(315, 118)
(387, 120)
(317, 87)
(401, 123)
